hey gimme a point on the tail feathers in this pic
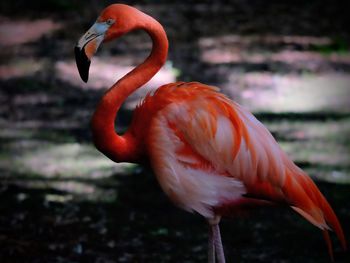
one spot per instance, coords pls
(315, 218)
(329, 244)
(305, 198)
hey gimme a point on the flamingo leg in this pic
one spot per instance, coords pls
(219, 249)
(211, 246)
(215, 242)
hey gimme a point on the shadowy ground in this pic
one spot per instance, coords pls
(140, 225)
(62, 201)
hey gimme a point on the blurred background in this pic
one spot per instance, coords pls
(62, 201)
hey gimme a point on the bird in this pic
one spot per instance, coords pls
(208, 153)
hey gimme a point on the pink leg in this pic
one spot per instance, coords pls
(215, 243)
(219, 249)
(211, 246)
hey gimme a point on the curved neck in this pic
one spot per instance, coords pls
(126, 148)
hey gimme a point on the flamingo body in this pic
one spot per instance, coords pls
(208, 153)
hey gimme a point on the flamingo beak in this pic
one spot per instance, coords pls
(87, 47)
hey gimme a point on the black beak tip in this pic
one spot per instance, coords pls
(83, 63)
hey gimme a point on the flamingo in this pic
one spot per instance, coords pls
(209, 154)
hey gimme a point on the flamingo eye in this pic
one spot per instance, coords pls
(110, 21)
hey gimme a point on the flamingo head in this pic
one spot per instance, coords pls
(114, 21)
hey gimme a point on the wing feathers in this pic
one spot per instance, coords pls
(187, 178)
